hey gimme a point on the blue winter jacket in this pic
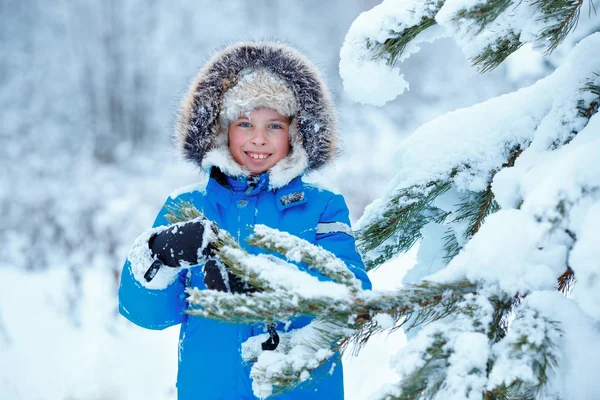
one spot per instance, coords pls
(210, 363)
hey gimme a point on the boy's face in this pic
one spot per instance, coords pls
(260, 139)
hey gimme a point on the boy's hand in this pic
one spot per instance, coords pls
(213, 279)
(181, 243)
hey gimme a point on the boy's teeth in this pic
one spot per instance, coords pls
(258, 156)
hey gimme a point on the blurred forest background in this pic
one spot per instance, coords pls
(88, 94)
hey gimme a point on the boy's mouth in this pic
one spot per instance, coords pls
(257, 156)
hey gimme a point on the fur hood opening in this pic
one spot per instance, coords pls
(271, 75)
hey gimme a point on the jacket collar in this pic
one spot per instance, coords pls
(223, 187)
(249, 185)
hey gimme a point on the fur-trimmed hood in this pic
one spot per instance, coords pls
(200, 133)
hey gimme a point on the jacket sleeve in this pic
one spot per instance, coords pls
(335, 235)
(160, 302)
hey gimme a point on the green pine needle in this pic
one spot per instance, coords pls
(482, 14)
(564, 14)
(493, 55)
(476, 206)
(592, 85)
(425, 381)
(405, 214)
(394, 47)
(181, 211)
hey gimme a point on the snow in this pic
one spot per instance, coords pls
(518, 265)
(384, 320)
(372, 81)
(584, 259)
(299, 249)
(287, 277)
(468, 363)
(199, 186)
(524, 20)
(70, 215)
(549, 202)
(300, 350)
(49, 355)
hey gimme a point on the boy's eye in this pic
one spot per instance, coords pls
(275, 126)
(245, 124)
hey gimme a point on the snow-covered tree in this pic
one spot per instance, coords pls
(504, 194)
(504, 199)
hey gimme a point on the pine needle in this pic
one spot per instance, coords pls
(564, 13)
(404, 215)
(181, 211)
(482, 14)
(494, 54)
(394, 47)
(566, 281)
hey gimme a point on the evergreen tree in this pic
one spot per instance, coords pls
(509, 190)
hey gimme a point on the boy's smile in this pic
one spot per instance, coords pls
(260, 139)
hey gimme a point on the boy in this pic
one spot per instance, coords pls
(258, 116)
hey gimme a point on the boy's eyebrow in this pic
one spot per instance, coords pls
(276, 119)
(280, 119)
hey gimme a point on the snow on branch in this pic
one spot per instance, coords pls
(451, 358)
(299, 352)
(524, 361)
(387, 34)
(504, 195)
(475, 153)
(488, 31)
(299, 250)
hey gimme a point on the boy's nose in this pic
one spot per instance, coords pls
(259, 138)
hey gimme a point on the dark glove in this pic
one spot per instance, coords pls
(181, 243)
(213, 279)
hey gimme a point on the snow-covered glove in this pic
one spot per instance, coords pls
(182, 243)
(214, 279)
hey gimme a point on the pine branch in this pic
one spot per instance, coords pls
(403, 240)
(394, 47)
(499, 325)
(299, 250)
(482, 14)
(483, 203)
(593, 86)
(451, 245)
(259, 307)
(475, 208)
(564, 13)
(351, 320)
(413, 306)
(405, 214)
(525, 348)
(507, 393)
(425, 381)
(294, 364)
(425, 378)
(494, 54)
(181, 211)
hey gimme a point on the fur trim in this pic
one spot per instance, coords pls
(199, 131)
